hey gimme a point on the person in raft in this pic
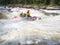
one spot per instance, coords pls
(22, 14)
(27, 14)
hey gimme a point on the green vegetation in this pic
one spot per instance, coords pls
(35, 2)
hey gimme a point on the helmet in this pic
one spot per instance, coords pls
(21, 13)
(28, 11)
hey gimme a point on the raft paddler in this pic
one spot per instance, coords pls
(22, 14)
(28, 14)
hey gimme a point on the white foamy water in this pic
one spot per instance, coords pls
(39, 32)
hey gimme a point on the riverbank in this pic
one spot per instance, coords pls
(35, 6)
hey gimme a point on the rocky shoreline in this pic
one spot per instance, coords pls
(35, 6)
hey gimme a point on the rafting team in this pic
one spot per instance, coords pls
(27, 14)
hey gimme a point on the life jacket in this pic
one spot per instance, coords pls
(24, 15)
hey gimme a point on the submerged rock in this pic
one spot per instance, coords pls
(3, 16)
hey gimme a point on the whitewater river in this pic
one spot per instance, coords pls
(45, 31)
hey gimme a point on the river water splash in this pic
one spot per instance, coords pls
(39, 32)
